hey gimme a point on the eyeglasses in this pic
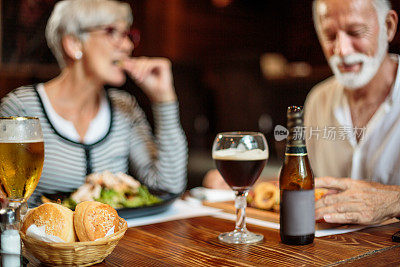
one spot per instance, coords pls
(117, 36)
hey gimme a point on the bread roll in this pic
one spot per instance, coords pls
(92, 220)
(57, 219)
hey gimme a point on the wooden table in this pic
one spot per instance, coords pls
(194, 242)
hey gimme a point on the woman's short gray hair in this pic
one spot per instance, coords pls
(72, 16)
(382, 9)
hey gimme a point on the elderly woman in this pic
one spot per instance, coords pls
(89, 129)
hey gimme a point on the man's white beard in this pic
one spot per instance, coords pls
(369, 65)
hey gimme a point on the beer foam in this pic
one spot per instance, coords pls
(239, 154)
(20, 141)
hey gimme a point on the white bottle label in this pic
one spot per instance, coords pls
(298, 212)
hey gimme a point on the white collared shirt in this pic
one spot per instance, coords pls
(331, 138)
(98, 127)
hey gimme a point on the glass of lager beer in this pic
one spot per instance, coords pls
(21, 160)
(240, 158)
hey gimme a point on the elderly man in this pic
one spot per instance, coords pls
(353, 118)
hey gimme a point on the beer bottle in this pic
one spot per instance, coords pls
(296, 183)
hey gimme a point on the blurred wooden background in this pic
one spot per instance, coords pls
(215, 46)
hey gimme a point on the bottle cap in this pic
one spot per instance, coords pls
(295, 116)
(295, 111)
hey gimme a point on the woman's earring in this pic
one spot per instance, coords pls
(78, 55)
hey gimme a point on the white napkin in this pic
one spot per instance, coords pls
(110, 232)
(212, 195)
(180, 209)
(335, 230)
(40, 234)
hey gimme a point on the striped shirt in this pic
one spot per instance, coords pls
(158, 161)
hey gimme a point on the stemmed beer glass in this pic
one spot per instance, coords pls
(21, 160)
(240, 158)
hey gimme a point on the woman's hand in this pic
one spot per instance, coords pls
(214, 180)
(153, 76)
(358, 202)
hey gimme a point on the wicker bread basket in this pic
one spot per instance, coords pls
(76, 253)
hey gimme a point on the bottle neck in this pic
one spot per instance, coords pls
(296, 137)
(296, 143)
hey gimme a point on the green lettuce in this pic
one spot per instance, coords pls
(128, 200)
(111, 197)
(119, 200)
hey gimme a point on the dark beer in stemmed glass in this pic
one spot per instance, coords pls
(240, 157)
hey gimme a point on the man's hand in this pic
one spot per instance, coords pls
(358, 202)
(153, 76)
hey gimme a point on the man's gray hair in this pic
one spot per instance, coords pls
(73, 16)
(382, 9)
